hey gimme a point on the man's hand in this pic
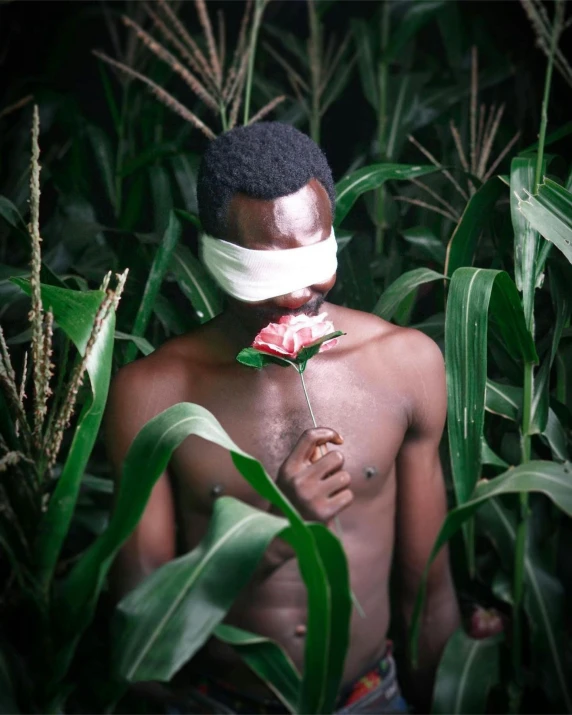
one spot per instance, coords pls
(316, 483)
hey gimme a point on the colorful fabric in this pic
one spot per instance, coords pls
(375, 692)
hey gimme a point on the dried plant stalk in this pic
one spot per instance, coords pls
(184, 35)
(22, 392)
(36, 313)
(163, 96)
(10, 389)
(173, 63)
(208, 30)
(459, 145)
(178, 44)
(501, 156)
(488, 142)
(434, 161)
(267, 109)
(47, 365)
(16, 105)
(436, 196)
(425, 205)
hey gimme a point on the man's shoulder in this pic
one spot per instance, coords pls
(168, 368)
(402, 343)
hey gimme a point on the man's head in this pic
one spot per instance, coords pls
(268, 187)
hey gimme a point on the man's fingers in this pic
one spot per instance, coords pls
(310, 442)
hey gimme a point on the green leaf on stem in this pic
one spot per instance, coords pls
(469, 668)
(397, 292)
(550, 213)
(372, 177)
(477, 213)
(321, 558)
(196, 284)
(153, 285)
(267, 660)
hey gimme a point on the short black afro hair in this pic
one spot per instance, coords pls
(265, 160)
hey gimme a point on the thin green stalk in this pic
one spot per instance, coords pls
(315, 57)
(258, 11)
(556, 29)
(223, 117)
(522, 527)
(382, 125)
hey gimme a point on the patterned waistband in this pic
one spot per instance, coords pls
(222, 697)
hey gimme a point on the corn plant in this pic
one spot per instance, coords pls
(490, 313)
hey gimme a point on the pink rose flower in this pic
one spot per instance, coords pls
(294, 332)
(485, 622)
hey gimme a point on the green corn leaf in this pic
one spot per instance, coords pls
(490, 457)
(321, 558)
(472, 292)
(153, 285)
(469, 668)
(144, 346)
(196, 284)
(164, 621)
(543, 599)
(267, 660)
(560, 276)
(398, 291)
(550, 213)
(74, 312)
(526, 239)
(424, 241)
(554, 136)
(477, 213)
(434, 326)
(372, 177)
(506, 401)
(12, 216)
(552, 479)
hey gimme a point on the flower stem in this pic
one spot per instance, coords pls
(337, 523)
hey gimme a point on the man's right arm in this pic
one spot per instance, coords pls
(138, 393)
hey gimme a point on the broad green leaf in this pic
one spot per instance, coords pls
(554, 136)
(543, 597)
(396, 293)
(468, 669)
(196, 284)
(144, 346)
(164, 621)
(550, 213)
(75, 313)
(506, 401)
(560, 279)
(156, 274)
(328, 613)
(427, 243)
(526, 239)
(552, 479)
(267, 660)
(372, 177)
(477, 213)
(471, 293)
(191, 217)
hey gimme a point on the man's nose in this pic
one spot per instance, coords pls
(294, 300)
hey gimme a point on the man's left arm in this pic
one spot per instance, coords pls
(421, 510)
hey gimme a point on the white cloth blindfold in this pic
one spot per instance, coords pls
(253, 276)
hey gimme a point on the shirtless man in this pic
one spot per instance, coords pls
(380, 394)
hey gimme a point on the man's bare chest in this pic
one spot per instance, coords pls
(266, 415)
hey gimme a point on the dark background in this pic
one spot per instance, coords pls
(46, 46)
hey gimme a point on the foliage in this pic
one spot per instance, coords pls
(464, 255)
